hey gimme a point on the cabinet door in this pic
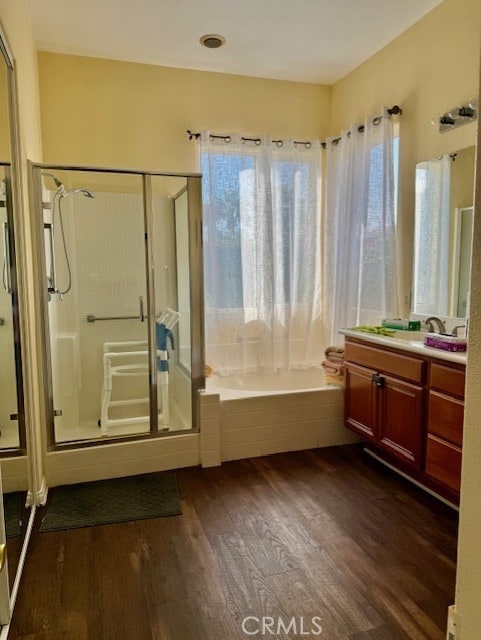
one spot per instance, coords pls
(360, 401)
(400, 420)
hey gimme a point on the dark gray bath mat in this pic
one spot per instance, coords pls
(11, 512)
(151, 495)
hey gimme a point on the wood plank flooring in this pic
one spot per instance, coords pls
(328, 533)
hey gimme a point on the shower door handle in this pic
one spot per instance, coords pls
(6, 274)
(52, 275)
(141, 308)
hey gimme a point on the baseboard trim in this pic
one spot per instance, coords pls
(412, 480)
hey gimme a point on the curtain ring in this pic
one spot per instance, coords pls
(377, 120)
(335, 142)
(360, 128)
(258, 141)
(279, 143)
(308, 145)
(227, 139)
(348, 135)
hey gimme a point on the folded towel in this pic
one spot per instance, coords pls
(335, 358)
(339, 351)
(333, 367)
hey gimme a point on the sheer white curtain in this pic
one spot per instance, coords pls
(262, 254)
(432, 223)
(360, 227)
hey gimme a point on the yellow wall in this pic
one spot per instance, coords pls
(122, 114)
(462, 178)
(5, 151)
(469, 551)
(462, 195)
(429, 69)
(468, 582)
(16, 23)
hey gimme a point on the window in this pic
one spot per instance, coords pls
(262, 254)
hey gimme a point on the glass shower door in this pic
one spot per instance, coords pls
(122, 275)
(10, 371)
(175, 257)
(94, 232)
(172, 315)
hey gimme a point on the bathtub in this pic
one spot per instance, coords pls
(260, 414)
(257, 384)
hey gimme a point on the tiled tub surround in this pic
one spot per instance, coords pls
(255, 421)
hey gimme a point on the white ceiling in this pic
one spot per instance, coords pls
(304, 40)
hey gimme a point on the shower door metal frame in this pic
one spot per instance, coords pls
(196, 298)
(12, 257)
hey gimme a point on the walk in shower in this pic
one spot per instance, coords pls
(121, 269)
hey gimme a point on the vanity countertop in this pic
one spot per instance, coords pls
(404, 344)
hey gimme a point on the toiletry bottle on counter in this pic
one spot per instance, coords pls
(402, 325)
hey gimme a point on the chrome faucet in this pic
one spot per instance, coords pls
(460, 326)
(441, 326)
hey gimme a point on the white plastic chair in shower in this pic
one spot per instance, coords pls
(130, 359)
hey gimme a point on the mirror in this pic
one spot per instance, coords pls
(443, 234)
(12, 425)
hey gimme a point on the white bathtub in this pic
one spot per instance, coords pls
(266, 384)
(260, 414)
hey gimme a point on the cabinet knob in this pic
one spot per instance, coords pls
(378, 380)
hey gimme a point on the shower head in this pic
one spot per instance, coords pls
(58, 184)
(84, 192)
(62, 191)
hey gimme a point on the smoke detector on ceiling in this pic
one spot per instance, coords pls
(212, 41)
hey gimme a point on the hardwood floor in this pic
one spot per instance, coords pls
(327, 533)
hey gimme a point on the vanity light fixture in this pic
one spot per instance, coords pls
(212, 40)
(458, 116)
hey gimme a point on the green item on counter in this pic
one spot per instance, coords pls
(380, 331)
(403, 325)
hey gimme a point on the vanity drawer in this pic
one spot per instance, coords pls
(447, 379)
(443, 462)
(396, 364)
(445, 417)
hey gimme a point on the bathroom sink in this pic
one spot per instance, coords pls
(410, 336)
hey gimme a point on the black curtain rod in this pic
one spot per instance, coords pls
(257, 141)
(393, 111)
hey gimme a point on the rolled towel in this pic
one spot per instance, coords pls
(335, 358)
(339, 351)
(207, 370)
(333, 367)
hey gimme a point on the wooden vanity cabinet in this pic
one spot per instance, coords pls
(410, 408)
(384, 400)
(360, 401)
(401, 420)
(445, 424)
